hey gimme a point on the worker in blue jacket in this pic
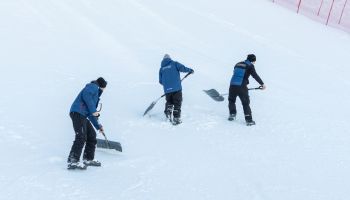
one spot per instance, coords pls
(239, 88)
(169, 77)
(84, 117)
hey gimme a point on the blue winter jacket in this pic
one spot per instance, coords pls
(87, 101)
(169, 75)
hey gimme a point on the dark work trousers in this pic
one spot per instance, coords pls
(173, 100)
(84, 135)
(242, 93)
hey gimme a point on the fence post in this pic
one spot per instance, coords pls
(342, 12)
(318, 13)
(299, 6)
(330, 11)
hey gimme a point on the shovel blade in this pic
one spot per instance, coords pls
(110, 145)
(214, 95)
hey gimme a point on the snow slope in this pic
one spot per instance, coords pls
(49, 50)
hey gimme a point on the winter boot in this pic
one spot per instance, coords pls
(250, 122)
(94, 163)
(76, 165)
(232, 117)
(177, 121)
(168, 111)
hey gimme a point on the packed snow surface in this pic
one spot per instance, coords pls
(299, 148)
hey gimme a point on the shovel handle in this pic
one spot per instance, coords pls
(256, 88)
(107, 142)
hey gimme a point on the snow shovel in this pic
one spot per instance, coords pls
(219, 97)
(106, 144)
(154, 102)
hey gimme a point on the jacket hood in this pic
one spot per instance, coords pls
(166, 61)
(94, 82)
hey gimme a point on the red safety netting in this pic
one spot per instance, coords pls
(334, 13)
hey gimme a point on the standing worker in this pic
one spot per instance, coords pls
(169, 77)
(239, 87)
(84, 116)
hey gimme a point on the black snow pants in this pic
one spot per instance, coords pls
(173, 100)
(242, 93)
(84, 135)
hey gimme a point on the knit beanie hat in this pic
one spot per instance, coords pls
(101, 82)
(251, 58)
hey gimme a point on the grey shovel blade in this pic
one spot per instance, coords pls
(150, 107)
(110, 145)
(214, 95)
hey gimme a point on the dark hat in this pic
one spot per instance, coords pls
(101, 82)
(251, 57)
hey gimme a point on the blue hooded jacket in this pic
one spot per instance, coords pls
(87, 101)
(169, 75)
